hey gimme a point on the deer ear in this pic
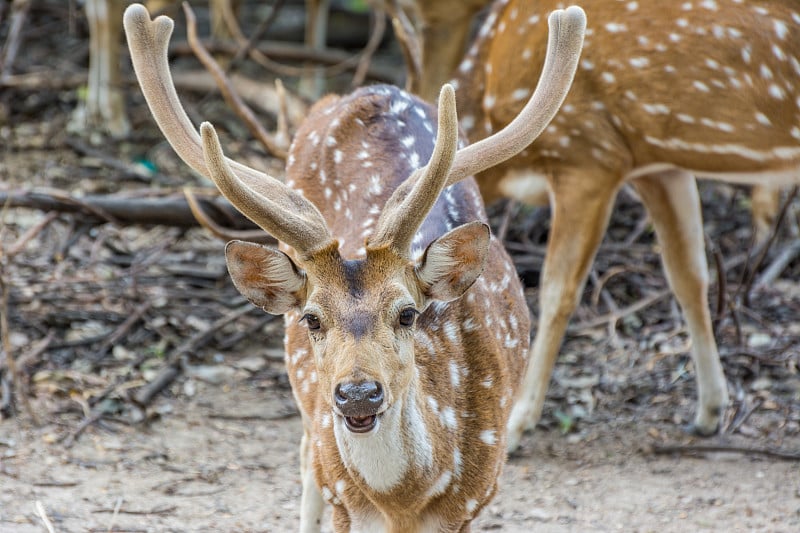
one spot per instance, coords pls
(453, 262)
(265, 276)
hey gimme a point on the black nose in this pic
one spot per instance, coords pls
(358, 399)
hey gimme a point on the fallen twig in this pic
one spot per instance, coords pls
(173, 366)
(742, 416)
(120, 332)
(249, 43)
(93, 417)
(778, 265)
(227, 90)
(156, 510)
(691, 449)
(253, 235)
(43, 516)
(625, 311)
(375, 38)
(19, 14)
(409, 45)
(29, 234)
(15, 384)
(168, 210)
(747, 286)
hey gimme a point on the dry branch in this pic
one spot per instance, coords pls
(230, 95)
(693, 449)
(174, 364)
(168, 211)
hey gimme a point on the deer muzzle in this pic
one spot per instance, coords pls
(359, 404)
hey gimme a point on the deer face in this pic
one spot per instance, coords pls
(360, 315)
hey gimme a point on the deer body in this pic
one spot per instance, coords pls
(664, 92)
(406, 327)
(460, 373)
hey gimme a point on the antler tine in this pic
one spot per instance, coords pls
(262, 198)
(564, 45)
(410, 203)
(284, 222)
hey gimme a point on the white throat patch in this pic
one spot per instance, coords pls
(381, 456)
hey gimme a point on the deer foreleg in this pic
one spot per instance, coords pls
(580, 218)
(673, 202)
(311, 504)
(105, 102)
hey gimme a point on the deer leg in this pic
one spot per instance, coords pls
(311, 503)
(581, 208)
(765, 202)
(673, 202)
(105, 102)
(316, 38)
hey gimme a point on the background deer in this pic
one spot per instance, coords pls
(664, 92)
(104, 108)
(404, 385)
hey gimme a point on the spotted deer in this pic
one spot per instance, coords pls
(665, 92)
(406, 326)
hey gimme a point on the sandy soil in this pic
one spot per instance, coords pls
(224, 458)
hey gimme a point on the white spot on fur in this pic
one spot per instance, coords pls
(776, 92)
(440, 485)
(448, 418)
(781, 30)
(615, 27)
(489, 436)
(656, 109)
(455, 375)
(761, 118)
(398, 106)
(520, 94)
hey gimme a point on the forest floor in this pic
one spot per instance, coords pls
(97, 312)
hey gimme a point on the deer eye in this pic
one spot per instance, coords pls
(312, 321)
(407, 317)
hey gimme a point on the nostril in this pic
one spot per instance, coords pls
(358, 399)
(376, 393)
(339, 395)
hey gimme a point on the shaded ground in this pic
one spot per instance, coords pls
(97, 312)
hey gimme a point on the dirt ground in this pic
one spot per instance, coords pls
(226, 460)
(97, 312)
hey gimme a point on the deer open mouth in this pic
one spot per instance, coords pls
(361, 424)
